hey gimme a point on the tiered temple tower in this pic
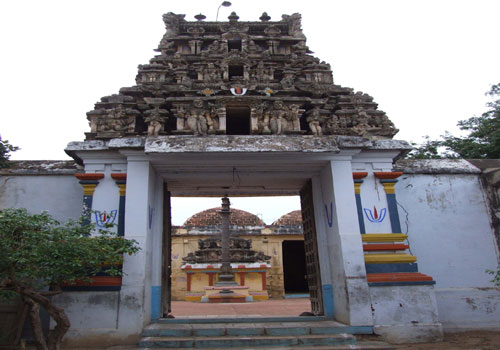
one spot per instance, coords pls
(236, 78)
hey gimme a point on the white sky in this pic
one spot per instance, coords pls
(427, 63)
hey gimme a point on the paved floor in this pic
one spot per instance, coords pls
(279, 307)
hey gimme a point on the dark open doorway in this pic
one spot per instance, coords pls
(294, 267)
(237, 120)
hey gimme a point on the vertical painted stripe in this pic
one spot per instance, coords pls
(393, 213)
(87, 209)
(155, 302)
(361, 220)
(328, 305)
(121, 217)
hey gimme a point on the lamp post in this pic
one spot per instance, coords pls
(225, 4)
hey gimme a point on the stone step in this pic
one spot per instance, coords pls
(364, 345)
(253, 341)
(251, 329)
(242, 319)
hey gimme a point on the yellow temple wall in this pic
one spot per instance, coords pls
(269, 243)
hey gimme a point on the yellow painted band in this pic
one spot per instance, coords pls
(88, 189)
(357, 187)
(123, 189)
(389, 187)
(192, 298)
(383, 237)
(389, 258)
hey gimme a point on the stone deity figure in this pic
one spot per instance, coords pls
(252, 47)
(278, 121)
(115, 120)
(292, 116)
(314, 120)
(362, 119)
(211, 73)
(196, 119)
(155, 119)
(262, 113)
(212, 117)
(261, 73)
(215, 48)
(154, 126)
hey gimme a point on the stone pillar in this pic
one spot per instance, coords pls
(135, 294)
(388, 180)
(121, 181)
(358, 180)
(226, 276)
(351, 297)
(89, 182)
(221, 113)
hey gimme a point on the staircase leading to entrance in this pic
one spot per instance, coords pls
(301, 333)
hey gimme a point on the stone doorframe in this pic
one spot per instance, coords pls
(265, 164)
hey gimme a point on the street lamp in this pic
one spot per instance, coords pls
(225, 4)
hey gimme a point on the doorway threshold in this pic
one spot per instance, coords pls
(296, 295)
(239, 319)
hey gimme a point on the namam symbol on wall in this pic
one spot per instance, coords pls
(105, 219)
(329, 215)
(151, 211)
(375, 216)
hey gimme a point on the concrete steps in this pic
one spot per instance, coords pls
(372, 345)
(241, 334)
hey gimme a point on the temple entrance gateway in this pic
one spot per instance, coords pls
(243, 108)
(256, 257)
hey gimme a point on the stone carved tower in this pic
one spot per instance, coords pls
(236, 78)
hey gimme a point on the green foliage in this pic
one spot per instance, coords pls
(496, 275)
(482, 141)
(429, 149)
(5, 149)
(38, 251)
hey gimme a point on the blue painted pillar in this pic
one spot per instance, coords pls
(89, 182)
(388, 180)
(358, 180)
(121, 181)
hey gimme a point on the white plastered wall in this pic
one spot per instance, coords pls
(446, 217)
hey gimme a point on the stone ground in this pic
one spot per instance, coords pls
(473, 340)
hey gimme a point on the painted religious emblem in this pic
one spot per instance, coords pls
(238, 91)
(268, 91)
(207, 92)
(105, 219)
(375, 216)
(329, 215)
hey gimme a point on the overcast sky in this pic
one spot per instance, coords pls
(426, 63)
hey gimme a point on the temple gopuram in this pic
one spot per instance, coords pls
(236, 78)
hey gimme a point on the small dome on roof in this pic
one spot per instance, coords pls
(211, 217)
(290, 219)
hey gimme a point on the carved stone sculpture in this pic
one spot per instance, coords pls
(196, 118)
(240, 249)
(264, 66)
(156, 119)
(278, 121)
(314, 120)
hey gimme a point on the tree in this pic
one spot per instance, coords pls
(5, 149)
(38, 253)
(482, 141)
(429, 149)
